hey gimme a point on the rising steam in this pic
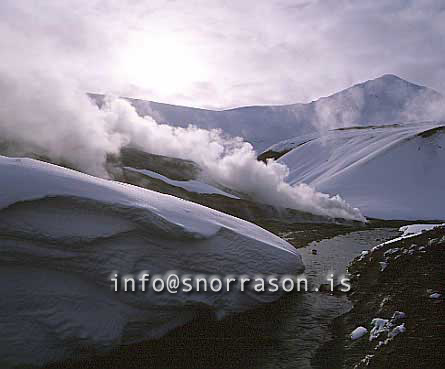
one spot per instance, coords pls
(228, 161)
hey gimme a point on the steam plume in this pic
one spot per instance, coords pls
(51, 115)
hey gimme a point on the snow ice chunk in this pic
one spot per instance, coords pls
(363, 255)
(358, 333)
(435, 296)
(391, 251)
(396, 331)
(397, 316)
(379, 326)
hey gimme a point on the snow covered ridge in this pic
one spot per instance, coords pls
(390, 172)
(62, 235)
(190, 185)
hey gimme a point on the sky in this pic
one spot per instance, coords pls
(220, 54)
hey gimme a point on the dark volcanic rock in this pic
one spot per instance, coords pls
(412, 274)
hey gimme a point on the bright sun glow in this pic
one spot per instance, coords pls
(164, 64)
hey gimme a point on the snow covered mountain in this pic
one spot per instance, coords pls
(64, 233)
(393, 171)
(387, 99)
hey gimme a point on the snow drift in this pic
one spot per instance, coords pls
(62, 235)
(394, 171)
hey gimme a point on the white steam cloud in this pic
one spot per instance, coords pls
(54, 118)
(228, 161)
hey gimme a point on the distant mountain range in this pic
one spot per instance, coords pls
(387, 99)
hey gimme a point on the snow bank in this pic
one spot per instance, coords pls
(417, 228)
(63, 234)
(407, 233)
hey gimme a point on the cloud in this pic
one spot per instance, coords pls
(223, 54)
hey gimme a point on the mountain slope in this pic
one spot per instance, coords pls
(387, 99)
(395, 171)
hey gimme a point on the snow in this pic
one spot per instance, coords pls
(392, 251)
(404, 236)
(435, 296)
(387, 326)
(398, 315)
(409, 231)
(365, 361)
(379, 326)
(294, 142)
(417, 228)
(191, 185)
(358, 333)
(65, 233)
(396, 331)
(392, 172)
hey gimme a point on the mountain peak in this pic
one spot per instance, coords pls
(391, 82)
(392, 89)
(388, 80)
(391, 77)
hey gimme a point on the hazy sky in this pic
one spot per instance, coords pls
(217, 53)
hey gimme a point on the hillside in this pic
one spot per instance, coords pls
(392, 172)
(379, 101)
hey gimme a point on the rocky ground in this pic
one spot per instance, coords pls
(406, 277)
